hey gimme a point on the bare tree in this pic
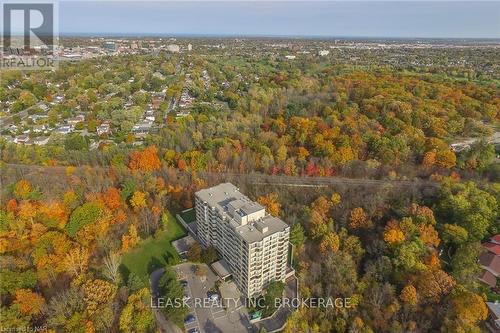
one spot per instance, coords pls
(111, 264)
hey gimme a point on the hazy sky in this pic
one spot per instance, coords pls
(471, 19)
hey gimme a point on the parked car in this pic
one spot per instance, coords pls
(213, 296)
(189, 319)
(193, 330)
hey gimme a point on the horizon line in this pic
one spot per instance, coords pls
(234, 35)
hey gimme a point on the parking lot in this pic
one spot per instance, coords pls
(210, 316)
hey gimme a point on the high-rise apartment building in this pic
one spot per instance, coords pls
(253, 243)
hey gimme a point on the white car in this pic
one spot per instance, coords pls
(213, 296)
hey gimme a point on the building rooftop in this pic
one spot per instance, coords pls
(245, 216)
(492, 247)
(488, 278)
(491, 261)
(495, 239)
(269, 225)
(494, 308)
(221, 268)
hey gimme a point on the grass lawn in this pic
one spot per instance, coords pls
(189, 216)
(154, 252)
(492, 297)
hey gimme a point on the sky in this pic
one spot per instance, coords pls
(397, 19)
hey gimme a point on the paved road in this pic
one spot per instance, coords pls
(6, 121)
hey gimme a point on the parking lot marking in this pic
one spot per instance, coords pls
(217, 311)
(192, 311)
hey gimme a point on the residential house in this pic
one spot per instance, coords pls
(38, 128)
(41, 140)
(23, 138)
(44, 107)
(157, 100)
(142, 128)
(493, 321)
(490, 261)
(104, 128)
(36, 117)
(75, 120)
(66, 129)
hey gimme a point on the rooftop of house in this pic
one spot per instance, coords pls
(488, 278)
(492, 247)
(246, 217)
(491, 261)
(495, 239)
(494, 309)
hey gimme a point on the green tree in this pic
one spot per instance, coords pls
(10, 281)
(134, 282)
(137, 315)
(452, 233)
(478, 157)
(128, 188)
(274, 291)
(194, 253)
(297, 234)
(76, 142)
(82, 216)
(407, 256)
(170, 289)
(13, 317)
(466, 205)
(209, 255)
(464, 266)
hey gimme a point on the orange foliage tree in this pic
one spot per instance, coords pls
(11, 206)
(22, 189)
(359, 219)
(318, 218)
(130, 240)
(429, 235)
(112, 198)
(409, 295)
(434, 283)
(270, 201)
(329, 243)
(29, 302)
(96, 293)
(393, 234)
(145, 160)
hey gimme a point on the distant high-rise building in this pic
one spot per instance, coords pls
(253, 243)
(174, 48)
(109, 46)
(190, 47)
